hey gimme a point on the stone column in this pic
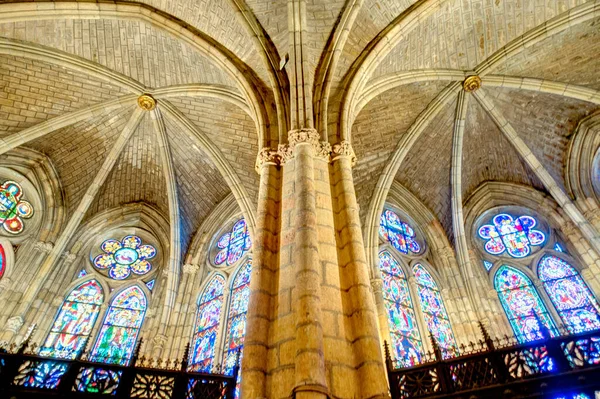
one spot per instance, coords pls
(255, 363)
(354, 272)
(306, 297)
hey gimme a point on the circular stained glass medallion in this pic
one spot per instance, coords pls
(126, 256)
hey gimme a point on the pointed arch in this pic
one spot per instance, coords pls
(208, 316)
(434, 311)
(119, 332)
(236, 319)
(404, 331)
(74, 321)
(570, 295)
(522, 304)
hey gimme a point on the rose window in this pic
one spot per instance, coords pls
(12, 208)
(121, 258)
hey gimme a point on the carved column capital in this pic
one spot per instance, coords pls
(376, 285)
(303, 136)
(43, 246)
(69, 257)
(323, 150)
(343, 149)
(14, 324)
(267, 156)
(5, 283)
(190, 269)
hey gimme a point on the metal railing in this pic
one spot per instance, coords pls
(550, 367)
(25, 374)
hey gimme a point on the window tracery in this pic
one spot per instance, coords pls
(569, 294)
(522, 304)
(74, 321)
(118, 335)
(121, 258)
(207, 325)
(232, 245)
(398, 233)
(13, 209)
(515, 236)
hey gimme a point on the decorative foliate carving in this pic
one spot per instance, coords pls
(190, 269)
(14, 323)
(343, 149)
(43, 246)
(267, 156)
(472, 83)
(301, 136)
(146, 102)
(286, 153)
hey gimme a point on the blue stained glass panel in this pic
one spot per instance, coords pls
(74, 321)
(434, 311)
(569, 294)
(407, 346)
(522, 305)
(118, 334)
(207, 323)
(514, 236)
(399, 233)
(488, 265)
(233, 245)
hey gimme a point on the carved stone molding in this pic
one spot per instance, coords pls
(146, 102)
(343, 149)
(190, 269)
(69, 257)
(472, 83)
(5, 283)
(159, 340)
(267, 156)
(14, 324)
(286, 153)
(376, 285)
(303, 136)
(43, 246)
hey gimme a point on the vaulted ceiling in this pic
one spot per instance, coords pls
(385, 73)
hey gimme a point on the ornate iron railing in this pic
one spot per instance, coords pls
(556, 367)
(24, 374)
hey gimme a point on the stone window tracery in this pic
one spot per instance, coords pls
(410, 323)
(121, 258)
(515, 236)
(522, 304)
(207, 325)
(13, 209)
(123, 320)
(232, 245)
(74, 321)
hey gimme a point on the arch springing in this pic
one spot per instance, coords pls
(404, 331)
(118, 335)
(434, 311)
(522, 304)
(74, 321)
(207, 325)
(569, 294)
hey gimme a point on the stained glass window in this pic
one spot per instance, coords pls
(404, 331)
(82, 273)
(74, 321)
(515, 236)
(488, 265)
(558, 247)
(12, 208)
(398, 233)
(434, 311)
(2, 261)
(236, 322)
(150, 284)
(232, 245)
(207, 324)
(118, 335)
(570, 295)
(522, 304)
(125, 256)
